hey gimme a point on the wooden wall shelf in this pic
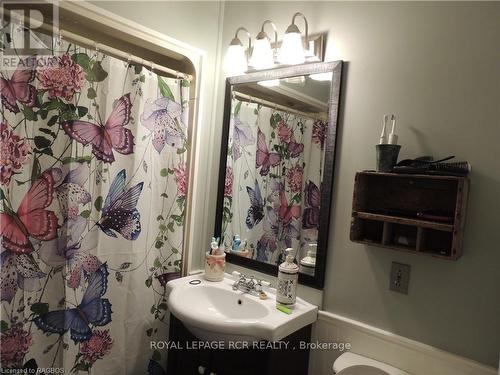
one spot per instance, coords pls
(421, 214)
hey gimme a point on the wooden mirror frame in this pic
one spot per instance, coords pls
(335, 67)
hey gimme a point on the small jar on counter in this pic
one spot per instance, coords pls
(215, 265)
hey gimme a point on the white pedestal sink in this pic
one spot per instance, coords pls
(213, 311)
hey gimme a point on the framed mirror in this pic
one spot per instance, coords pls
(277, 166)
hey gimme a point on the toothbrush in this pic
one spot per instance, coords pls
(383, 138)
(393, 137)
(214, 244)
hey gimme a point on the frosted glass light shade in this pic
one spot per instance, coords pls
(292, 49)
(235, 61)
(262, 55)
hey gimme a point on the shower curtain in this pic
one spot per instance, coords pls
(93, 184)
(273, 180)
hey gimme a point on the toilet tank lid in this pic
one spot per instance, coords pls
(346, 360)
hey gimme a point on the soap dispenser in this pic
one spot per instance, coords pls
(236, 243)
(288, 277)
(308, 263)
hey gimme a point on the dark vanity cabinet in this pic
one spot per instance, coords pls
(187, 358)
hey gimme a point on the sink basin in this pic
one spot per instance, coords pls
(213, 311)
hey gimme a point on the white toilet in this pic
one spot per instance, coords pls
(355, 364)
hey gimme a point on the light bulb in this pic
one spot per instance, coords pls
(292, 49)
(235, 61)
(321, 76)
(262, 55)
(269, 83)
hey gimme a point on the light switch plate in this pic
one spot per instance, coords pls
(400, 277)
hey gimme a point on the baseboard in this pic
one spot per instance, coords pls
(409, 355)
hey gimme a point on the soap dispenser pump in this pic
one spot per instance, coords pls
(288, 277)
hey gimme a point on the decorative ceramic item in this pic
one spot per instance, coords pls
(288, 277)
(215, 266)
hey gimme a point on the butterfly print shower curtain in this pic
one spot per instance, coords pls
(273, 180)
(93, 185)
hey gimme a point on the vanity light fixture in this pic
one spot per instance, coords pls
(292, 47)
(263, 53)
(235, 62)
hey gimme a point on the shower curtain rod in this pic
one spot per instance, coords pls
(121, 54)
(86, 42)
(276, 106)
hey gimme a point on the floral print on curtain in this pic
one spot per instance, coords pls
(93, 185)
(273, 180)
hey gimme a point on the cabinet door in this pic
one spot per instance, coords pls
(182, 360)
(188, 362)
(240, 362)
(292, 361)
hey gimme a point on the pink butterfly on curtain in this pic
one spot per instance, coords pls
(265, 159)
(287, 212)
(31, 219)
(108, 137)
(294, 147)
(18, 88)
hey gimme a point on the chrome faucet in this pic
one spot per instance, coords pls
(250, 285)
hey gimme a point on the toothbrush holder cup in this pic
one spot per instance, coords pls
(387, 157)
(215, 266)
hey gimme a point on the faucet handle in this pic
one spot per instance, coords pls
(251, 282)
(258, 286)
(264, 283)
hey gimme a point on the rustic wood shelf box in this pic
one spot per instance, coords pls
(422, 214)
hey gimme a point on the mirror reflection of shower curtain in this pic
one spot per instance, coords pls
(93, 181)
(273, 180)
